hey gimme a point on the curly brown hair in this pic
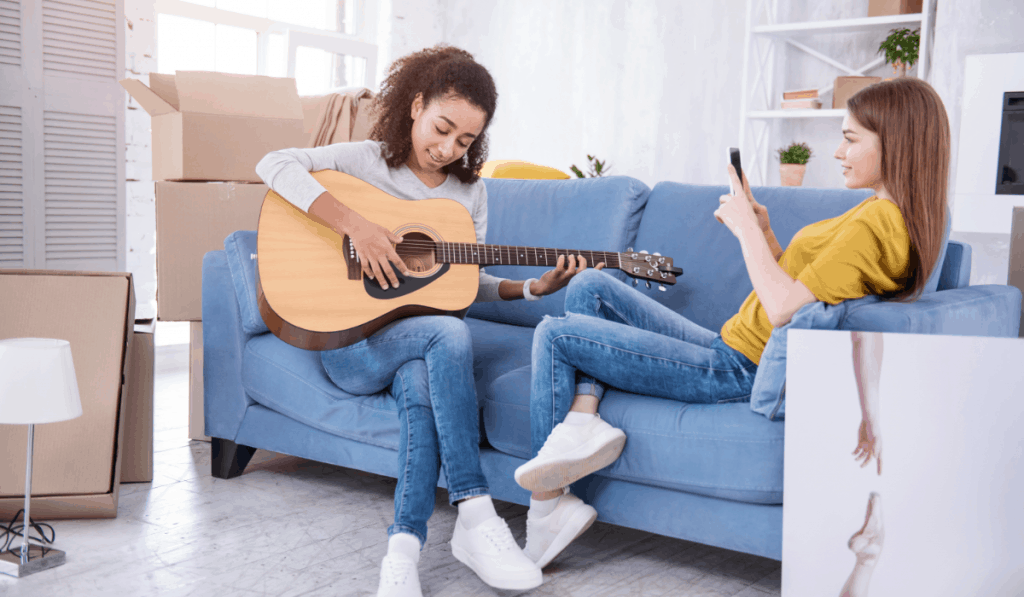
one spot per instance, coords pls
(435, 72)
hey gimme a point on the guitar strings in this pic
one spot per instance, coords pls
(462, 248)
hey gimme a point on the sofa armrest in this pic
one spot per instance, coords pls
(224, 341)
(985, 310)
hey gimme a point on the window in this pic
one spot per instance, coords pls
(323, 44)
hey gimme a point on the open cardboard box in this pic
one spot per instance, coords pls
(217, 126)
(137, 462)
(193, 218)
(196, 410)
(76, 464)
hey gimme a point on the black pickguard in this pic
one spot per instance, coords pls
(405, 285)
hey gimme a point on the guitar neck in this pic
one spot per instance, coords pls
(513, 255)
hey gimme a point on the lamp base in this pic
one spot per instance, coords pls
(39, 558)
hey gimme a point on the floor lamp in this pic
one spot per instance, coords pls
(37, 385)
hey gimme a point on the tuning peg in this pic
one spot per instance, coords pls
(661, 287)
(629, 249)
(656, 253)
(648, 284)
(635, 282)
(643, 252)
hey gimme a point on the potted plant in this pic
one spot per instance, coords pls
(793, 163)
(597, 168)
(900, 49)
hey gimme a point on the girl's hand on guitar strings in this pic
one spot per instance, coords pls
(377, 255)
(557, 278)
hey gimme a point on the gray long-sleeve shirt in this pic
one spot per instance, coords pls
(287, 172)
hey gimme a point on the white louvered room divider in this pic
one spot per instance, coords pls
(62, 202)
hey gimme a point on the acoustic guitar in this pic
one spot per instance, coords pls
(310, 285)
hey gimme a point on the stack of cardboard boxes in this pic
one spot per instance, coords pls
(209, 132)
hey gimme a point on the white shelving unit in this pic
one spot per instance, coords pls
(761, 93)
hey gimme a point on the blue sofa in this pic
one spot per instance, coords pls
(705, 473)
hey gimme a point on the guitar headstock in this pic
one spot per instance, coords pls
(651, 267)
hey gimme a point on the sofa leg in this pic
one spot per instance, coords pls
(229, 459)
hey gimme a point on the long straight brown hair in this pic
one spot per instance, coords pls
(908, 116)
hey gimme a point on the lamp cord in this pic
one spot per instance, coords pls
(11, 531)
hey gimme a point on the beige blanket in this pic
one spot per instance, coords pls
(337, 117)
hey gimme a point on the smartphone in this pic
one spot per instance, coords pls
(734, 157)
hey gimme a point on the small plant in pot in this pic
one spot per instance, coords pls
(900, 49)
(793, 163)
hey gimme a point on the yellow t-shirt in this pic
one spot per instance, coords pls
(864, 251)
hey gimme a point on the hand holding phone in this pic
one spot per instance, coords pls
(734, 158)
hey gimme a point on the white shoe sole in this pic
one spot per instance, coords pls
(577, 525)
(592, 456)
(518, 583)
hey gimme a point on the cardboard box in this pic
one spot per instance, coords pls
(196, 414)
(76, 467)
(881, 8)
(846, 87)
(193, 218)
(137, 462)
(1015, 277)
(217, 126)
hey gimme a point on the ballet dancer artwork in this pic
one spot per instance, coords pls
(866, 544)
(936, 511)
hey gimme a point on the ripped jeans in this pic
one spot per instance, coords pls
(612, 334)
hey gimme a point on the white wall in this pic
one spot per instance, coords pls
(140, 212)
(963, 28)
(651, 86)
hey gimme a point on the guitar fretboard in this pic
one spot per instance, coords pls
(512, 255)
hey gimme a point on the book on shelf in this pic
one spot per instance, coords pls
(801, 104)
(800, 94)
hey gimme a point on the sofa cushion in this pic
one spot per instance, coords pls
(721, 450)
(956, 267)
(679, 222)
(598, 214)
(293, 382)
(497, 349)
(240, 246)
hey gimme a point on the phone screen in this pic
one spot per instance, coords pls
(734, 157)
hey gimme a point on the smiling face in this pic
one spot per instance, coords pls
(860, 155)
(442, 132)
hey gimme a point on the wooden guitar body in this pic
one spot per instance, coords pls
(311, 291)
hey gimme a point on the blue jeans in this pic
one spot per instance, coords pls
(427, 362)
(614, 335)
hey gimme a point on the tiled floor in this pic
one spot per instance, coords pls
(292, 527)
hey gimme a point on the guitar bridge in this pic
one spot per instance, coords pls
(351, 259)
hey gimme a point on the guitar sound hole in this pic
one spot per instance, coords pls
(417, 251)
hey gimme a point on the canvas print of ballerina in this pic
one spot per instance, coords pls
(938, 510)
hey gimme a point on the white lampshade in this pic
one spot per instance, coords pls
(37, 381)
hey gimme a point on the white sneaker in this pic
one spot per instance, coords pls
(398, 577)
(490, 550)
(547, 536)
(570, 453)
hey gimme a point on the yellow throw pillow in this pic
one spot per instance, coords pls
(521, 170)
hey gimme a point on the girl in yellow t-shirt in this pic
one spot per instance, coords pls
(895, 141)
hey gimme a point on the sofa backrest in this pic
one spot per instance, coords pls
(597, 214)
(679, 222)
